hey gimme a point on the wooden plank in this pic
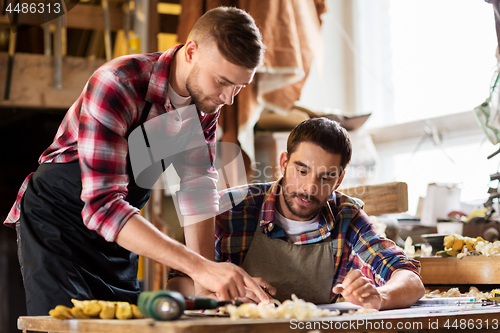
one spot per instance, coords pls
(32, 81)
(169, 8)
(49, 324)
(453, 271)
(95, 48)
(185, 324)
(153, 26)
(381, 199)
(407, 320)
(89, 17)
(92, 17)
(159, 271)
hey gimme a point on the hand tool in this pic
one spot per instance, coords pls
(482, 302)
(170, 305)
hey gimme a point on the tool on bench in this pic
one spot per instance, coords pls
(493, 300)
(482, 302)
(170, 305)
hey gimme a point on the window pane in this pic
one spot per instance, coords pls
(443, 56)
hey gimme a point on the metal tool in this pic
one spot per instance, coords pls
(170, 305)
(493, 300)
(58, 52)
(482, 302)
(161, 304)
(12, 50)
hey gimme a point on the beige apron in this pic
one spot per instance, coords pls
(304, 270)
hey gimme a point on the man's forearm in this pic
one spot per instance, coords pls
(139, 236)
(225, 280)
(403, 289)
(200, 238)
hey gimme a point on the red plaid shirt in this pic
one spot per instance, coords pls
(95, 130)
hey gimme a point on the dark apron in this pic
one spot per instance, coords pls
(304, 270)
(60, 257)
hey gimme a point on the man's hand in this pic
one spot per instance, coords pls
(186, 286)
(250, 295)
(252, 298)
(227, 281)
(358, 289)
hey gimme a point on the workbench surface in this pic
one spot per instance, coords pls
(443, 318)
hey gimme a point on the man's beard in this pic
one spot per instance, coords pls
(306, 213)
(196, 94)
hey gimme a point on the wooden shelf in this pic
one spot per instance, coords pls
(472, 270)
(33, 83)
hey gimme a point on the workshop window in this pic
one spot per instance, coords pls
(413, 60)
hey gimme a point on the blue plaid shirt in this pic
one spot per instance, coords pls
(356, 242)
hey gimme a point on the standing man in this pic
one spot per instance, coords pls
(78, 216)
(301, 236)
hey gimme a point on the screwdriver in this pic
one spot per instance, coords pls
(170, 305)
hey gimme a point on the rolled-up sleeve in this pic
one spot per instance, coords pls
(105, 116)
(376, 256)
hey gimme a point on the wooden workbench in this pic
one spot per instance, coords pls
(413, 319)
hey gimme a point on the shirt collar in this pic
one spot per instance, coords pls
(266, 217)
(158, 83)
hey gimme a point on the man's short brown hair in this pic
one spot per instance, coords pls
(323, 132)
(235, 34)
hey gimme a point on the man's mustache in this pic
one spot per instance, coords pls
(308, 197)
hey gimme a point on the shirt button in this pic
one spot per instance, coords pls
(176, 118)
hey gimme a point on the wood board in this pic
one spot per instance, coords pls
(32, 80)
(454, 271)
(421, 319)
(381, 199)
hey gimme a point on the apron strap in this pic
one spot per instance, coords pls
(145, 112)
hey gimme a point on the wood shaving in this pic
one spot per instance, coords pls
(488, 249)
(455, 292)
(360, 311)
(290, 309)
